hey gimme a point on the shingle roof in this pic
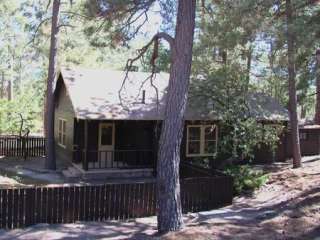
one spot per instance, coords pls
(264, 107)
(95, 95)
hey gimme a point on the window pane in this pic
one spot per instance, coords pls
(209, 146)
(63, 139)
(64, 126)
(194, 147)
(106, 135)
(60, 138)
(60, 125)
(210, 133)
(194, 133)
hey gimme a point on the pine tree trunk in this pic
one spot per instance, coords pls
(170, 212)
(2, 86)
(50, 146)
(317, 110)
(303, 112)
(292, 88)
(9, 90)
(249, 63)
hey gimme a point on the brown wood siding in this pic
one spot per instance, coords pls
(140, 135)
(309, 146)
(64, 110)
(264, 154)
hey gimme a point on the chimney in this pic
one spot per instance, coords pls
(143, 101)
(132, 69)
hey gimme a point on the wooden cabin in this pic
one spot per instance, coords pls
(103, 124)
(309, 140)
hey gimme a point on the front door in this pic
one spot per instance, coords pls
(106, 145)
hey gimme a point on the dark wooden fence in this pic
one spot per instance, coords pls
(15, 146)
(23, 207)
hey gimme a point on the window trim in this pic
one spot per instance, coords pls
(63, 132)
(202, 140)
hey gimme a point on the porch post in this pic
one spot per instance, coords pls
(155, 145)
(85, 148)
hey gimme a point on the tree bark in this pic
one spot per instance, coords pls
(317, 110)
(50, 162)
(9, 90)
(292, 87)
(170, 212)
(303, 112)
(249, 62)
(2, 86)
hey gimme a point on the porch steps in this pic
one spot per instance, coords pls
(117, 174)
(74, 174)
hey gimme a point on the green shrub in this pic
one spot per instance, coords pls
(245, 178)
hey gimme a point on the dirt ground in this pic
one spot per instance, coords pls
(287, 207)
(14, 171)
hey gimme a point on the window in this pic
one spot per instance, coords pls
(106, 134)
(201, 140)
(62, 132)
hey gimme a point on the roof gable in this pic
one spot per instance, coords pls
(95, 94)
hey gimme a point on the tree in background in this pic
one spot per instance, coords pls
(162, 62)
(20, 81)
(223, 90)
(251, 34)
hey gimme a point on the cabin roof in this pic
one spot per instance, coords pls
(95, 95)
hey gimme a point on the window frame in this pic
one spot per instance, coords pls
(202, 140)
(62, 132)
(102, 125)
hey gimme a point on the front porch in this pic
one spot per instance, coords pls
(105, 146)
(116, 159)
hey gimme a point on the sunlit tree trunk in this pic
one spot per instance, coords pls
(170, 212)
(50, 162)
(296, 154)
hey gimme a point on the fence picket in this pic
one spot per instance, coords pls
(15, 146)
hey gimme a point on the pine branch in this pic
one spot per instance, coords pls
(141, 52)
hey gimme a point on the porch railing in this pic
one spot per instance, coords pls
(116, 159)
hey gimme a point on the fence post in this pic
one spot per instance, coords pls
(85, 159)
(30, 206)
(24, 149)
(85, 149)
